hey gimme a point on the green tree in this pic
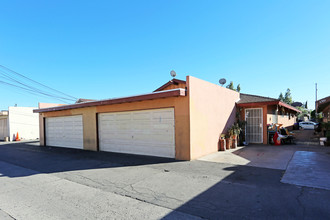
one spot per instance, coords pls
(287, 97)
(281, 97)
(230, 85)
(238, 89)
(313, 114)
(306, 105)
(303, 110)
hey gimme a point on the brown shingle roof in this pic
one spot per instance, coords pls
(247, 98)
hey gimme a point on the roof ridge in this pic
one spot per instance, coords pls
(259, 96)
(169, 83)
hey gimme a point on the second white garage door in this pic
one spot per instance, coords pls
(65, 131)
(146, 132)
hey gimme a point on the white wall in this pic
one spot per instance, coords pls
(4, 131)
(23, 121)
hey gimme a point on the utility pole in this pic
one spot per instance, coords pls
(315, 100)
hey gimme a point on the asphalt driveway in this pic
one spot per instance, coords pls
(263, 156)
(54, 183)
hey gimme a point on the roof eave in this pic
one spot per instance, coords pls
(250, 104)
(288, 106)
(149, 96)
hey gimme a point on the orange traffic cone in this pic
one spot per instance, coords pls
(17, 137)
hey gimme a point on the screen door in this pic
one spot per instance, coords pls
(253, 130)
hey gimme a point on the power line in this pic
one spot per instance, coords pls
(21, 75)
(31, 88)
(12, 76)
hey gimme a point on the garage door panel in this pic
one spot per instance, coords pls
(123, 116)
(65, 131)
(147, 132)
(124, 126)
(141, 116)
(163, 115)
(163, 126)
(162, 138)
(110, 127)
(121, 136)
(142, 149)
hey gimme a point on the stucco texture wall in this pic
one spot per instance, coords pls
(288, 118)
(212, 110)
(287, 121)
(180, 104)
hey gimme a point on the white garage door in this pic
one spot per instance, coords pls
(147, 132)
(3, 128)
(64, 131)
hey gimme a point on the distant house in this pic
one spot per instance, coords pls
(21, 120)
(84, 100)
(296, 104)
(323, 107)
(260, 111)
(48, 105)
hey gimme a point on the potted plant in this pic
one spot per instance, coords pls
(236, 130)
(240, 127)
(232, 136)
(228, 139)
(222, 143)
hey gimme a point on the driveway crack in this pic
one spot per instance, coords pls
(299, 201)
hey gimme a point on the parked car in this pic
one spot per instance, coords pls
(307, 125)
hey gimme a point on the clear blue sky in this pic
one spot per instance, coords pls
(105, 49)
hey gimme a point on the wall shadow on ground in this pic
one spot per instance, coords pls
(245, 193)
(56, 159)
(257, 193)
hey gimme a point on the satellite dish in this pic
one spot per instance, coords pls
(222, 81)
(173, 73)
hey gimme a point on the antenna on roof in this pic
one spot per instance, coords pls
(173, 73)
(222, 81)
